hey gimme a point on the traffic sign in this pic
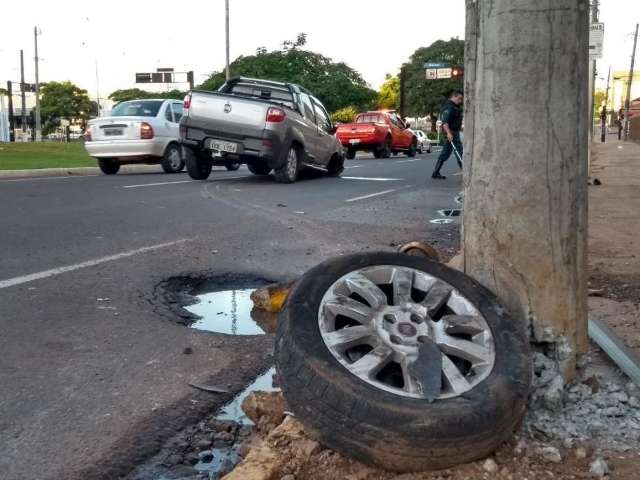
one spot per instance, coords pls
(596, 40)
(444, 72)
(436, 65)
(432, 73)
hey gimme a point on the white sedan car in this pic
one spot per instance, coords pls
(424, 144)
(137, 131)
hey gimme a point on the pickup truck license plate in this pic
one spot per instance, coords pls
(353, 141)
(113, 132)
(222, 146)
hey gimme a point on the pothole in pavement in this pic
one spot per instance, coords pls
(218, 304)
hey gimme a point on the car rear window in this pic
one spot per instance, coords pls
(265, 92)
(137, 108)
(368, 118)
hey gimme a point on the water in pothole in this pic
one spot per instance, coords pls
(230, 312)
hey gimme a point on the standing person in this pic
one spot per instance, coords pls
(620, 122)
(451, 124)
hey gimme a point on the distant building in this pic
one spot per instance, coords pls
(618, 92)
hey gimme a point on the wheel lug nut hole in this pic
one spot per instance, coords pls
(415, 318)
(395, 339)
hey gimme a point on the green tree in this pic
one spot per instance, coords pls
(335, 84)
(425, 97)
(137, 94)
(344, 115)
(64, 100)
(598, 101)
(389, 93)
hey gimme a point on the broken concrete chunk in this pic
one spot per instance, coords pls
(490, 465)
(599, 468)
(554, 394)
(551, 454)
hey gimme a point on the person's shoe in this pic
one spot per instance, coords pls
(438, 176)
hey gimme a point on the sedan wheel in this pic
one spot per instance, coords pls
(172, 161)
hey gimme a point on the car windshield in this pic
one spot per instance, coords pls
(137, 108)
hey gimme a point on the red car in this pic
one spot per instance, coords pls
(382, 133)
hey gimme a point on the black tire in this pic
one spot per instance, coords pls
(232, 166)
(259, 169)
(377, 153)
(351, 153)
(288, 173)
(429, 149)
(108, 166)
(384, 429)
(197, 167)
(385, 149)
(336, 165)
(172, 161)
(412, 149)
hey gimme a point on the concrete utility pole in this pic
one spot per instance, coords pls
(38, 125)
(603, 120)
(226, 25)
(525, 178)
(628, 100)
(23, 117)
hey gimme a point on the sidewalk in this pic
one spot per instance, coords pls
(614, 238)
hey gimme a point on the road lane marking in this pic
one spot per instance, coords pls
(159, 183)
(363, 197)
(408, 161)
(353, 166)
(374, 179)
(10, 282)
(182, 181)
(27, 179)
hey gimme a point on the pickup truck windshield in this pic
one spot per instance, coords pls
(369, 119)
(269, 93)
(135, 108)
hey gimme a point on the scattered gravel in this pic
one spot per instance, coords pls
(490, 465)
(598, 468)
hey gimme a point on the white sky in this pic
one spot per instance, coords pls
(374, 37)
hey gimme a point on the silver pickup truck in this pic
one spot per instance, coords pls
(267, 125)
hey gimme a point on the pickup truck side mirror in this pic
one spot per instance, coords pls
(333, 129)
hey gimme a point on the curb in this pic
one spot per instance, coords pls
(76, 171)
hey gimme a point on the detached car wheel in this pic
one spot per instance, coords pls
(197, 167)
(172, 161)
(108, 166)
(401, 362)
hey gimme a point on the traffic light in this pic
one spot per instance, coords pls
(456, 72)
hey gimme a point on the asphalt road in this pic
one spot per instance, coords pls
(93, 374)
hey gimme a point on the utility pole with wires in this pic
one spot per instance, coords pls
(226, 25)
(38, 125)
(628, 100)
(23, 102)
(595, 11)
(605, 112)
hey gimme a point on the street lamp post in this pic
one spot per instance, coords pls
(226, 24)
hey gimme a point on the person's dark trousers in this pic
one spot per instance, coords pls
(446, 152)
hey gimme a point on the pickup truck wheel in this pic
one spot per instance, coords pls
(336, 166)
(351, 153)
(258, 169)
(412, 149)
(288, 173)
(172, 160)
(385, 149)
(198, 168)
(232, 166)
(108, 166)
(401, 362)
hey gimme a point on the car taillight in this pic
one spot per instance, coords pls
(275, 115)
(87, 134)
(187, 102)
(146, 131)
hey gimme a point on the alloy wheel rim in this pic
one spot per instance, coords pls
(292, 162)
(174, 158)
(375, 321)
